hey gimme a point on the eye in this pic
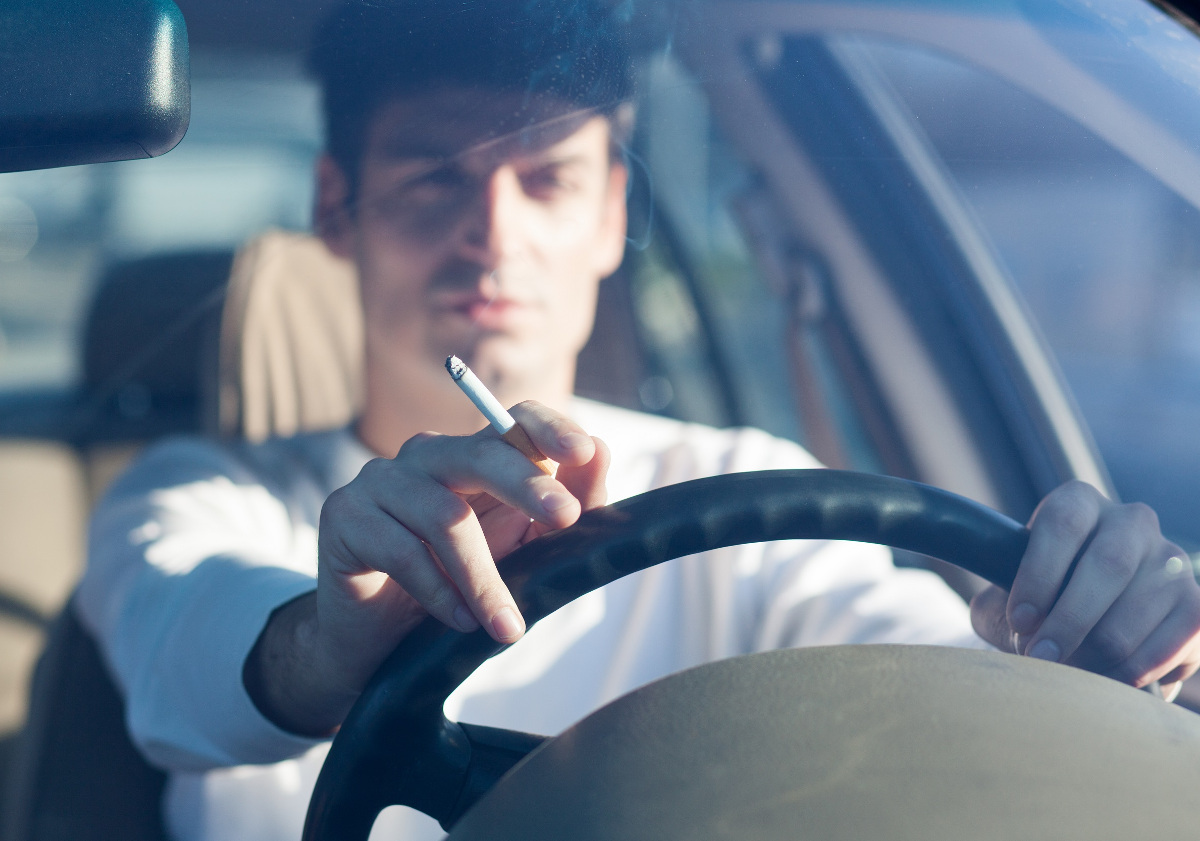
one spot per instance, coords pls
(549, 182)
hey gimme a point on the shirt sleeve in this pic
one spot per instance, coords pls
(188, 555)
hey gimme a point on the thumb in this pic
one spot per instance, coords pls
(989, 617)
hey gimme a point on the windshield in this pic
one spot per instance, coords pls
(955, 242)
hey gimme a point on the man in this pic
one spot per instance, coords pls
(471, 177)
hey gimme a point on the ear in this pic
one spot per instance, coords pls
(611, 236)
(332, 220)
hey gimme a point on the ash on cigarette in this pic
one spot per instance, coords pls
(456, 367)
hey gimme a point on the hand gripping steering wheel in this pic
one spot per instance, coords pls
(396, 745)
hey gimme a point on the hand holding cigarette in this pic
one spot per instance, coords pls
(420, 534)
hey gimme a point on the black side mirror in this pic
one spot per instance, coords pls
(85, 81)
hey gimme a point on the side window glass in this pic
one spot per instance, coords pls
(1105, 255)
(734, 329)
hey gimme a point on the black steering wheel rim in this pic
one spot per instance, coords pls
(396, 745)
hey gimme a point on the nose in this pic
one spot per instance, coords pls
(490, 231)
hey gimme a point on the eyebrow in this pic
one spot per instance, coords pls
(423, 160)
(560, 160)
(410, 148)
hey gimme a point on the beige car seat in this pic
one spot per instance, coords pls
(139, 361)
(270, 346)
(291, 340)
(43, 507)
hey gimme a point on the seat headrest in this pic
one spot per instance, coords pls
(144, 345)
(291, 344)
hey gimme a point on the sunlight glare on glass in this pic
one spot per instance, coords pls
(18, 229)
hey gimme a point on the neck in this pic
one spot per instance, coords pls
(405, 400)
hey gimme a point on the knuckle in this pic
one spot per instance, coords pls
(414, 446)
(1114, 560)
(374, 469)
(448, 512)
(339, 506)
(480, 448)
(1072, 511)
(1142, 516)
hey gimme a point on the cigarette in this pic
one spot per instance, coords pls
(496, 414)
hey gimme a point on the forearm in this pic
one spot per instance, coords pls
(283, 677)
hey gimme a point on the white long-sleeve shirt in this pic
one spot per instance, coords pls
(198, 543)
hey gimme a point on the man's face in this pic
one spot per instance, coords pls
(481, 241)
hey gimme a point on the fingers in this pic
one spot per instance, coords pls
(587, 482)
(1123, 541)
(558, 437)
(1143, 607)
(1100, 588)
(480, 463)
(1169, 653)
(412, 517)
(1058, 530)
(368, 532)
(444, 521)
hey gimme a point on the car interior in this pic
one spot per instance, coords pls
(267, 342)
(864, 311)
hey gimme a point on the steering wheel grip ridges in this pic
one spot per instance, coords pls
(396, 746)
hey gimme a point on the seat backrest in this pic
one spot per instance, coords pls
(43, 506)
(78, 775)
(267, 344)
(149, 346)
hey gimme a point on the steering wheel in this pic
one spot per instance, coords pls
(396, 745)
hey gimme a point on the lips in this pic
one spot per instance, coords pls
(486, 313)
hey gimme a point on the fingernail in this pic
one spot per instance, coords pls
(556, 501)
(1045, 650)
(465, 620)
(573, 440)
(1024, 618)
(507, 625)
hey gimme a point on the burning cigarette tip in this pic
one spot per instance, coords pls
(483, 399)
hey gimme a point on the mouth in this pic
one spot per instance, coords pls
(483, 312)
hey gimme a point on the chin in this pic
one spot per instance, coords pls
(513, 372)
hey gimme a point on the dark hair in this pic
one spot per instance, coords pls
(368, 51)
